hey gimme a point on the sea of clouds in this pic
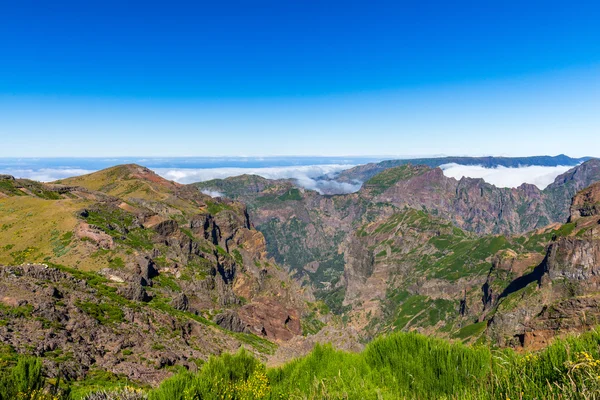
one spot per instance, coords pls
(315, 177)
(306, 176)
(45, 174)
(539, 176)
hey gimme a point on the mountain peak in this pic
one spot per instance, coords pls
(126, 180)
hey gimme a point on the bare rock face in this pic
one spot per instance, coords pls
(266, 317)
(230, 320)
(586, 203)
(359, 267)
(181, 302)
(576, 260)
(263, 317)
(166, 228)
(95, 235)
(135, 292)
(145, 268)
(562, 294)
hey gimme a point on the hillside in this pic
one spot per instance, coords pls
(126, 272)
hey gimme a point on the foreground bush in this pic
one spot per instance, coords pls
(400, 366)
(25, 381)
(228, 377)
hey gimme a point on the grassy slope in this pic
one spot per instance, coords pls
(39, 230)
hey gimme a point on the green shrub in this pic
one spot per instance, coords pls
(24, 380)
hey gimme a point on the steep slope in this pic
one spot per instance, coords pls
(132, 254)
(303, 229)
(562, 294)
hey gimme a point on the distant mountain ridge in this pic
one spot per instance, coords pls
(365, 172)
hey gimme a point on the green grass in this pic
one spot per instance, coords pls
(398, 366)
(470, 331)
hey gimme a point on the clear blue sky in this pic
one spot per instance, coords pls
(299, 78)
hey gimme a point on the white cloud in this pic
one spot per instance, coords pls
(212, 193)
(189, 175)
(45, 174)
(305, 176)
(507, 177)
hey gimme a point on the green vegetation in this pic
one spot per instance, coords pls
(121, 225)
(104, 313)
(459, 257)
(23, 187)
(216, 207)
(8, 187)
(471, 330)
(386, 179)
(311, 324)
(292, 194)
(402, 365)
(24, 381)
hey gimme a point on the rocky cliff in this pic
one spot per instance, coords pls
(562, 294)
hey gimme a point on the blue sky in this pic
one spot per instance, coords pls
(299, 78)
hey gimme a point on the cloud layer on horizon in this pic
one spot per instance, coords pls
(45, 174)
(539, 176)
(305, 176)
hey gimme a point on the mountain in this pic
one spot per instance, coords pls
(124, 271)
(412, 249)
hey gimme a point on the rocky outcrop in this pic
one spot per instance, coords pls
(576, 260)
(181, 302)
(135, 292)
(266, 317)
(95, 235)
(230, 320)
(146, 269)
(586, 203)
(477, 206)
